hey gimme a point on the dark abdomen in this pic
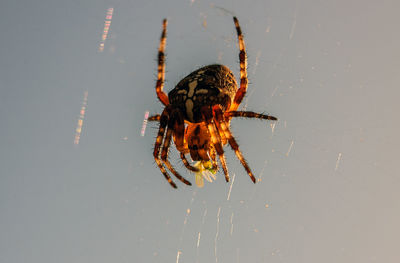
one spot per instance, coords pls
(207, 86)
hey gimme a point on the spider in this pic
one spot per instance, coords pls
(197, 114)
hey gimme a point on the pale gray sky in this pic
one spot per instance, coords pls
(329, 175)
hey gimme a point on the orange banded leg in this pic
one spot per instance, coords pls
(179, 139)
(165, 149)
(221, 134)
(213, 155)
(162, 96)
(249, 114)
(243, 68)
(187, 165)
(179, 132)
(154, 118)
(232, 142)
(216, 140)
(161, 131)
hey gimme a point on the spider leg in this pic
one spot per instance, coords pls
(213, 155)
(180, 142)
(162, 96)
(179, 132)
(232, 142)
(161, 131)
(167, 142)
(249, 114)
(215, 139)
(154, 118)
(243, 68)
(221, 134)
(187, 165)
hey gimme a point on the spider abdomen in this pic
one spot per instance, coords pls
(207, 86)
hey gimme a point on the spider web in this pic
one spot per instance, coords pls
(78, 181)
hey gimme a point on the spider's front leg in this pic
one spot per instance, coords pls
(241, 92)
(154, 118)
(215, 138)
(249, 114)
(161, 131)
(167, 141)
(213, 156)
(162, 96)
(180, 142)
(187, 164)
(178, 136)
(219, 116)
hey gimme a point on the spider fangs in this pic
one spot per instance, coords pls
(197, 114)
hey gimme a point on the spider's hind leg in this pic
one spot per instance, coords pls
(161, 131)
(232, 142)
(165, 149)
(179, 139)
(187, 164)
(249, 114)
(243, 68)
(215, 140)
(162, 96)
(213, 155)
(154, 118)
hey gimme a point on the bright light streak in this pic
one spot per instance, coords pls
(230, 188)
(204, 216)
(198, 240)
(146, 116)
(338, 160)
(78, 129)
(107, 24)
(257, 61)
(187, 215)
(262, 170)
(177, 256)
(273, 127)
(216, 235)
(247, 99)
(293, 25)
(290, 148)
(184, 226)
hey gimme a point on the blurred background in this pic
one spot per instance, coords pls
(78, 182)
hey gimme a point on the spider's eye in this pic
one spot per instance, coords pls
(194, 147)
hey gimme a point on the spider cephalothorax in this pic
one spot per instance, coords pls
(198, 111)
